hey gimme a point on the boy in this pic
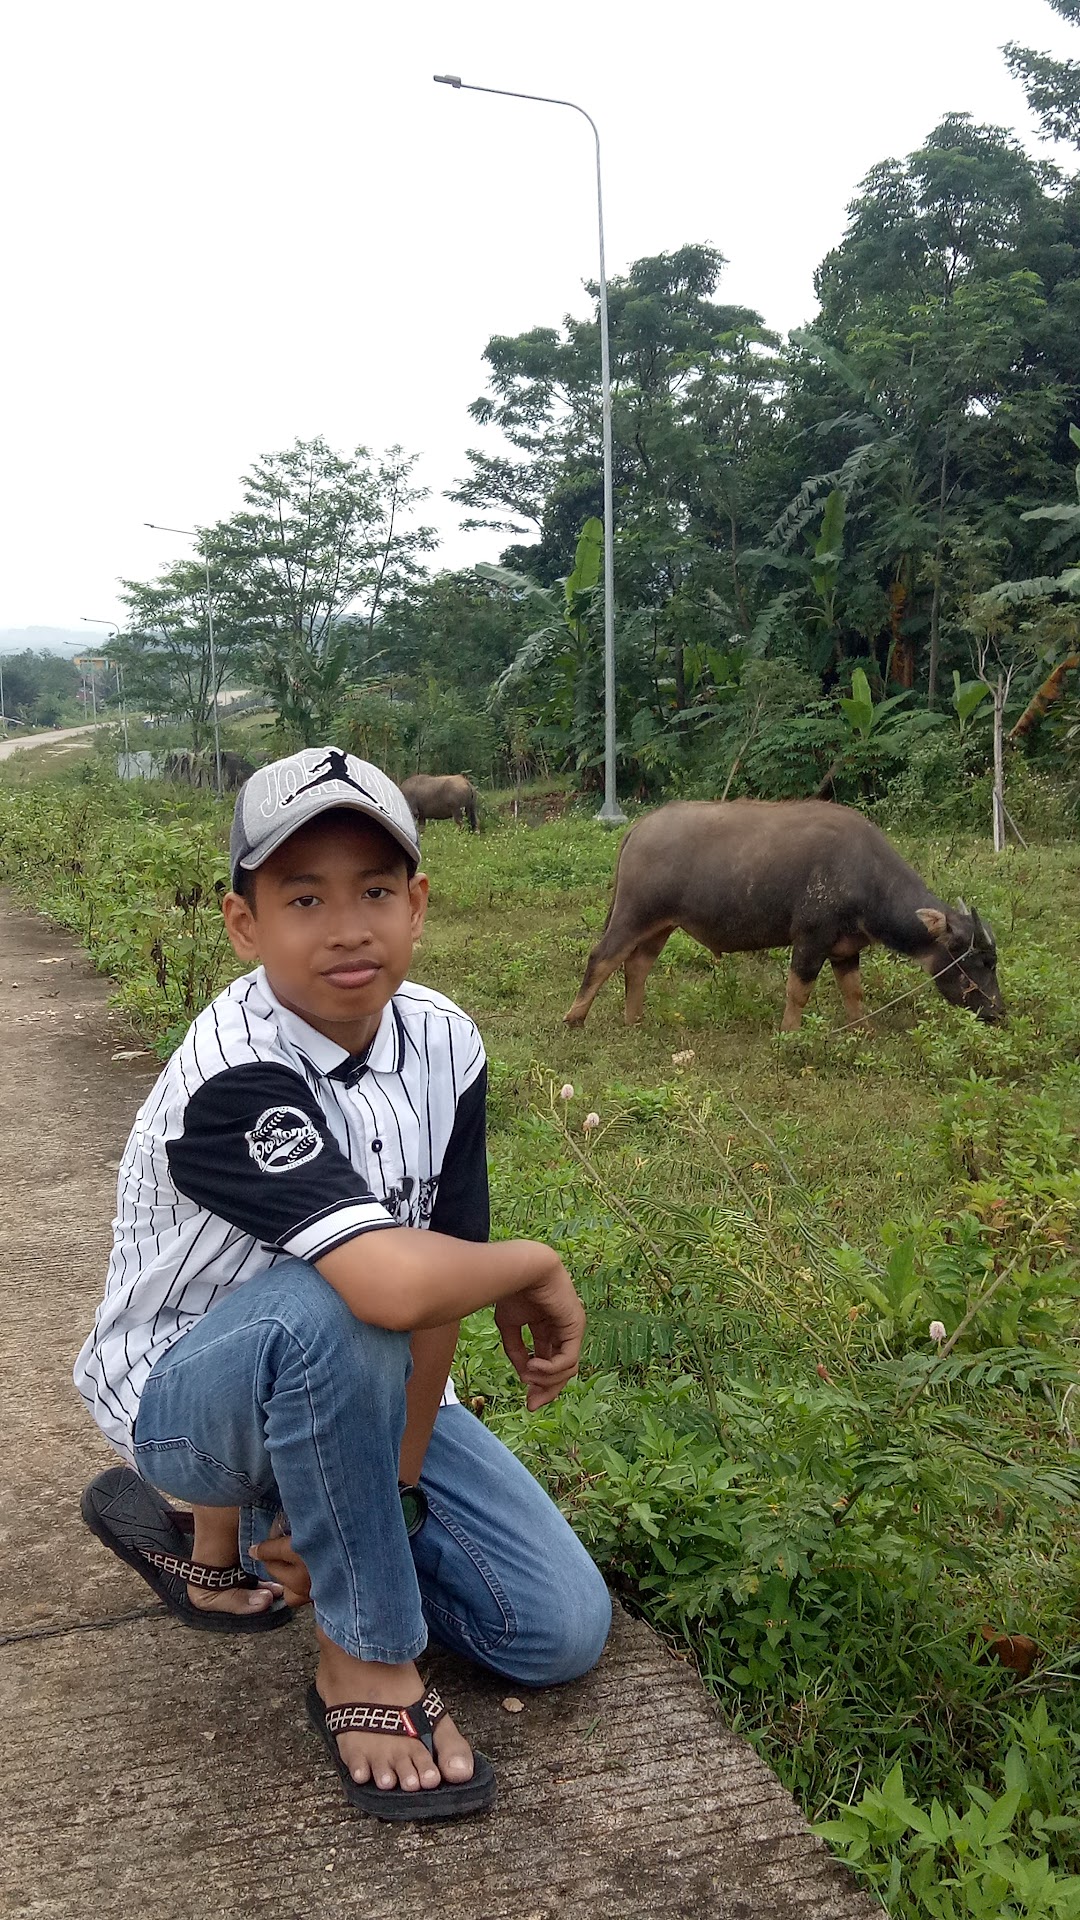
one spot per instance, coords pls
(302, 1221)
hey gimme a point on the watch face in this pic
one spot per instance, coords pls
(414, 1506)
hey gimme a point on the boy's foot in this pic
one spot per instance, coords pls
(389, 1760)
(235, 1599)
(216, 1544)
(156, 1540)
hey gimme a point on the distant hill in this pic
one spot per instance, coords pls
(52, 639)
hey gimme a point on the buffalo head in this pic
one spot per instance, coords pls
(963, 960)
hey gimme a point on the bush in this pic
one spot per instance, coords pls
(435, 733)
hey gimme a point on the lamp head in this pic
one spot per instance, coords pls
(447, 79)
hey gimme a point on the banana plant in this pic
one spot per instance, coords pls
(828, 554)
(562, 643)
(968, 696)
(863, 717)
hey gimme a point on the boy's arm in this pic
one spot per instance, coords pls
(410, 1279)
(432, 1358)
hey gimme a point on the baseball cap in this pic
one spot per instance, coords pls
(277, 800)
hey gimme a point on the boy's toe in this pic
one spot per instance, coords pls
(454, 1755)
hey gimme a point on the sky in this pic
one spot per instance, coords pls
(233, 223)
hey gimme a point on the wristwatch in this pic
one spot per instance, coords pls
(414, 1506)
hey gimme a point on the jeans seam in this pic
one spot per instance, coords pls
(155, 1448)
(487, 1574)
(331, 1629)
(329, 1503)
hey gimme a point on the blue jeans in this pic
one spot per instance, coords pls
(280, 1398)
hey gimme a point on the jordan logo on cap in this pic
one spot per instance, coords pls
(334, 767)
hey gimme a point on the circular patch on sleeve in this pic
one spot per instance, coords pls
(283, 1138)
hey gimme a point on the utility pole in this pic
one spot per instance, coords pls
(610, 814)
(194, 534)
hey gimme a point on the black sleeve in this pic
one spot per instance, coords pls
(461, 1203)
(257, 1151)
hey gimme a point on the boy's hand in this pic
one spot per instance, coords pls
(555, 1317)
(283, 1563)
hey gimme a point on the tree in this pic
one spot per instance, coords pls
(1052, 86)
(457, 629)
(937, 374)
(695, 384)
(324, 541)
(164, 653)
(1048, 602)
(562, 651)
(39, 688)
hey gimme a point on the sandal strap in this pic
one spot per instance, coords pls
(216, 1579)
(365, 1716)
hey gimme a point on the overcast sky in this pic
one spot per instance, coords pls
(228, 224)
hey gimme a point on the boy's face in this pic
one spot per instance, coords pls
(334, 921)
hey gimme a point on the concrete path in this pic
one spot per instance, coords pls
(53, 737)
(158, 1774)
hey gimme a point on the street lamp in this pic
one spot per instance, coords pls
(610, 813)
(92, 622)
(193, 534)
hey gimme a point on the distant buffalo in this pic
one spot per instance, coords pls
(441, 796)
(742, 875)
(200, 769)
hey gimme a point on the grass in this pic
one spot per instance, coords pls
(847, 1523)
(513, 918)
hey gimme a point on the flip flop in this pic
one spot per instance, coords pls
(147, 1534)
(451, 1801)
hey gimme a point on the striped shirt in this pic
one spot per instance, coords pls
(262, 1139)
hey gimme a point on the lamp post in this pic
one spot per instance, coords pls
(610, 813)
(193, 534)
(92, 622)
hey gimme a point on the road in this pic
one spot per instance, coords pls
(51, 737)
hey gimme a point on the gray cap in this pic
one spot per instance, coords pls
(284, 796)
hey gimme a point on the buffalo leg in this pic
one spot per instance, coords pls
(849, 981)
(804, 970)
(609, 953)
(636, 969)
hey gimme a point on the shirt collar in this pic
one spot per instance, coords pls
(385, 1053)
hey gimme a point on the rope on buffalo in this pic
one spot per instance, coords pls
(919, 987)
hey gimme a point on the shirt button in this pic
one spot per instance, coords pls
(376, 1146)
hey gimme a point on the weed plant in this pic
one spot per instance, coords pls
(824, 1431)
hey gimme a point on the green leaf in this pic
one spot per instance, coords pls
(1069, 514)
(831, 538)
(858, 711)
(1001, 1816)
(967, 695)
(588, 559)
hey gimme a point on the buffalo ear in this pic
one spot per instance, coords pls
(933, 920)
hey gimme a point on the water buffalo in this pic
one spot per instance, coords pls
(200, 769)
(441, 796)
(741, 875)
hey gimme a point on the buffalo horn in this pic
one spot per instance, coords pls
(979, 933)
(963, 905)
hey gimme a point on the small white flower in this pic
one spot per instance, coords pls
(567, 1092)
(684, 1058)
(590, 1122)
(937, 1331)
